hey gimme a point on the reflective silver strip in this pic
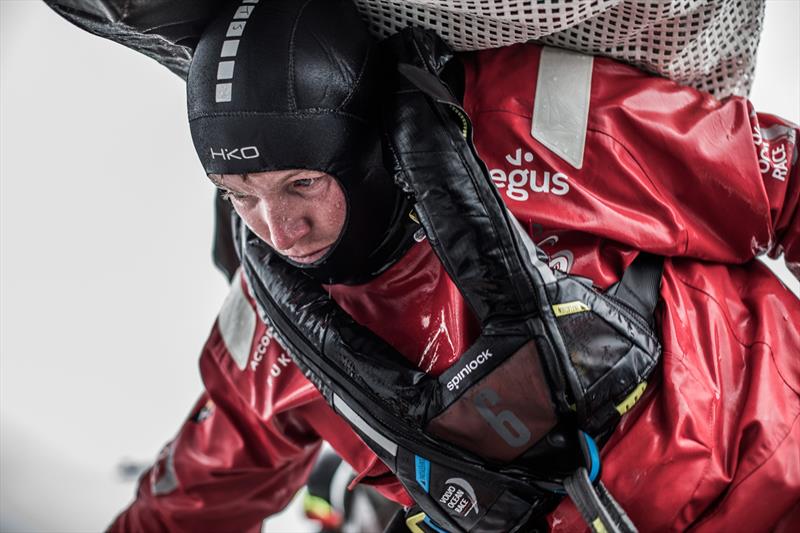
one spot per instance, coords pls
(561, 103)
(235, 28)
(530, 247)
(237, 324)
(243, 12)
(224, 91)
(169, 479)
(775, 131)
(229, 48)
(225, 70)
(338, 487)
(362, 425)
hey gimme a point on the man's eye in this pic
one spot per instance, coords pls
(231, 195)
(304, 183)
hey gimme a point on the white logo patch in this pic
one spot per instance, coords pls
(770, 143)
(561, 260)
(459, 497)
(237, 324)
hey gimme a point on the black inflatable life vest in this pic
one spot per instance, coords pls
(494, 442)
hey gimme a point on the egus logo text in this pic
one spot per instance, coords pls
(520, 182)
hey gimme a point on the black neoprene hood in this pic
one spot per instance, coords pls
(282, 84)
(295, 84)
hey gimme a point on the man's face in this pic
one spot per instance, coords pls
(298, 213)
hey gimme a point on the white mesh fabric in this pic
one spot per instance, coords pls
(707, 44)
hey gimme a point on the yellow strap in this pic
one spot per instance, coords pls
(570, 308)
(463, 119)
(316, 505)
(625, 405)
(412, 522)
(598, 526)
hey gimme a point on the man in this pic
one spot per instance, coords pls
(294, 140)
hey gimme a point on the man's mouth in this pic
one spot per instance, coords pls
(306, 259)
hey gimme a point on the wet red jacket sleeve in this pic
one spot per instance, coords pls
(728, 174)
(725, 177)
(229, 467)
(671, 170)
(215, 455)
(778, 153)
(251, 440)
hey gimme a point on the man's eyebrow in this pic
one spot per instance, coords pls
(216, 179)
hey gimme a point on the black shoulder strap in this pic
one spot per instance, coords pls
(639, 286)
(472, 446)
(598, 508)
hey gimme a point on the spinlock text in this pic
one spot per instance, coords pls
(482, 357)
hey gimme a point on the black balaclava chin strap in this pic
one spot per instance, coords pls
(295, 84)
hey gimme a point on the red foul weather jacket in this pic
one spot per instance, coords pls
(714, 445)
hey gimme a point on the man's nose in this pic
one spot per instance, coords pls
(287, 224)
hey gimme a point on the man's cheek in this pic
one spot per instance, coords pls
(255, 223)
(335, 213)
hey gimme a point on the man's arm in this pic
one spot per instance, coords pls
(215, 477)
(664, 168)
(730, 175)
(778, 152)
(245, 449)
(725, 177)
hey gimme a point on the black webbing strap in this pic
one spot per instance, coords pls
(596, 505)
(611, 503)
(398, 523)
(639, 285)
